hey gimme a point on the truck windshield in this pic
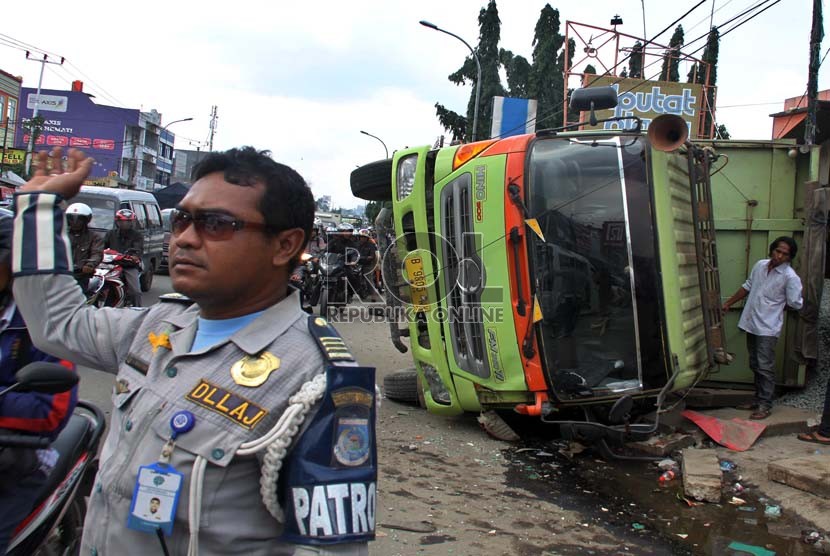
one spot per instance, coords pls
(594, 273)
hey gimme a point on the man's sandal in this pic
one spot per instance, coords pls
(760, 414)
(814, 437)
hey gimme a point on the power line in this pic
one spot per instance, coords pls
(556, 109)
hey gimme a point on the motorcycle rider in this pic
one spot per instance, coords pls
(317, 242)
(125, 239)
(23, 470)
(87, 246)
(368, 250)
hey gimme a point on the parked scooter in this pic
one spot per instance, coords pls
(107, 287)
(56, 523)
(306, 278)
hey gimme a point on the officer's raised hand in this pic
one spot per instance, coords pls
(53, 174)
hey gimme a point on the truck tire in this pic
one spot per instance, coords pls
(402, 386)
(373, 181)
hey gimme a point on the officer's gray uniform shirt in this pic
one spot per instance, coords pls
(769, 291)
(149, 350)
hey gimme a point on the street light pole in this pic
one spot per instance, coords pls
(163, 129)
(31, 146)
(379, 139)
(478, 68)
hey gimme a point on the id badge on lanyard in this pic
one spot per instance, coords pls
(158, 486)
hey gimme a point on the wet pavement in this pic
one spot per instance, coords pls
(627, 498)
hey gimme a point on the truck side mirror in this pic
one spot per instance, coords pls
(593, 98)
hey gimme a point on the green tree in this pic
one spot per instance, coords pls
(488, 56)
(560, 62)
(722, 133)
(671, 59)
(371, 211)
(635, 62)
(710, 57)
(547, 81)
(518, 73)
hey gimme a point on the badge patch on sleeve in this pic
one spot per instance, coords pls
(352, 439)
(241, 411)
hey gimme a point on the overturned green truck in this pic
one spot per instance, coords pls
(587, 269)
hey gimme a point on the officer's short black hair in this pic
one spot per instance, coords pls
(790, 243)
(287, 202)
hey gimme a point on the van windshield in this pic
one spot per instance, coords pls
(595, 264)
(103, 210)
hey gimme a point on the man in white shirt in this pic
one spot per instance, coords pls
(772, 285)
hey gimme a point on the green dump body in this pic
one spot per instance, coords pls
(757, 196)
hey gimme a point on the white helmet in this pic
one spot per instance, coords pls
(79, 209)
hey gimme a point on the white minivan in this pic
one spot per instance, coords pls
(106, 201)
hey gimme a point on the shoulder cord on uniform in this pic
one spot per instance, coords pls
(277, 440)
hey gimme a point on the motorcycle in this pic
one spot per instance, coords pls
(338, 271)
(55, 524)
(107, 287)
(306, 278)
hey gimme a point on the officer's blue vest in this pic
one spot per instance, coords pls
(328, 481)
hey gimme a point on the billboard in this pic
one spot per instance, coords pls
(649, 99)
(73, 120)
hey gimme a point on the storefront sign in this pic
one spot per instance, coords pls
(12, 157)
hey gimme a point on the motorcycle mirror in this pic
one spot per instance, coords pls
(46, 378)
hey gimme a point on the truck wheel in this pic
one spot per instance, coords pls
(373, 181)
(146, 278)
(402, 386)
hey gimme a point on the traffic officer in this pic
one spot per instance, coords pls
(212, 388)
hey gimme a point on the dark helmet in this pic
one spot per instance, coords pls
(125, 215)
(6, 225)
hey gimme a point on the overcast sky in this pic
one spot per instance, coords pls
(303, 78)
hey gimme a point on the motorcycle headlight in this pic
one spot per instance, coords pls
(406, 175)
(94, 284)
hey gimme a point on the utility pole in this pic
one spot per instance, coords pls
(817, 33)
(31, 146)
(213, 118)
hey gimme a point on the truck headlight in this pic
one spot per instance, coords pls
(439, 392)
(406, 175)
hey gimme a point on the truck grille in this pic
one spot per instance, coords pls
(466, 328)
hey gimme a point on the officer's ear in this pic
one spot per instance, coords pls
(288, 244)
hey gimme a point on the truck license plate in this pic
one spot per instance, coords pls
(417, 283)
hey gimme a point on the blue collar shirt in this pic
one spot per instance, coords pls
(769, 290)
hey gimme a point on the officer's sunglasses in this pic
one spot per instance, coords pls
(213, 226)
